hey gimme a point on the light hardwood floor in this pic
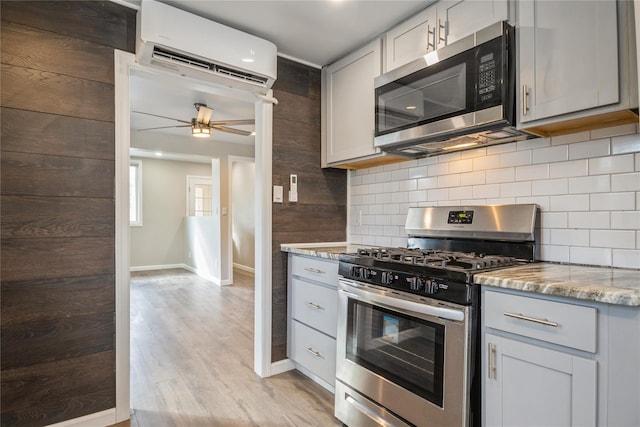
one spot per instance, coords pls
(192, 359)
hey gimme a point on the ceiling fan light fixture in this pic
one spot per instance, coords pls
(200, 130)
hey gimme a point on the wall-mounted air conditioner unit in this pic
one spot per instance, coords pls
(200, 48)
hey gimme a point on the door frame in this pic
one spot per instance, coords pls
(124, 63)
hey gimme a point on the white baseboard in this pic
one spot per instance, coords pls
(282, 366)
(244, 268)
(157, 267)
(98, 419)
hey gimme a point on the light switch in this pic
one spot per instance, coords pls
(277, 193)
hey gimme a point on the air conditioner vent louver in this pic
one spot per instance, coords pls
(175, 57)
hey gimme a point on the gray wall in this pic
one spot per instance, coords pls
(242, 211)
(161, 238)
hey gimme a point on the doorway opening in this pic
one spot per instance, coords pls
(125, 68)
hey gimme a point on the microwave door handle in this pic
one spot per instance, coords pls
(397, 303)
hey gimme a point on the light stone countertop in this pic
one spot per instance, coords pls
(321, 250)
(602, 284)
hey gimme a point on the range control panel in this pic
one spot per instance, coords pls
(460, 217)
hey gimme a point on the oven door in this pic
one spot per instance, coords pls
(401, 359)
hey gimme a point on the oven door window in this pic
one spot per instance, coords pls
(406, 350)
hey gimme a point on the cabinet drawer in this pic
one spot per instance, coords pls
(314, 351)
(315, 305)
(555, 322)
(315, 269)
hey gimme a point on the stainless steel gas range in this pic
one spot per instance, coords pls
(408, 318)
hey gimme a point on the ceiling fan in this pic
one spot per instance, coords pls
(202, 125)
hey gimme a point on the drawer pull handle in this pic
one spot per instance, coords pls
(313, 270)
(312, 351)
(491, 350)
(312, 305)
(532, 319)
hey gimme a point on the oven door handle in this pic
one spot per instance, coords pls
(398, 303)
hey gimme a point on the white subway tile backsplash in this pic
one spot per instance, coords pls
(569, 169)
(548, 187)
(462, 192)
(613, 239)
(569, 237)
(473, 178)
(513, 189)
(533, 172)
(570, 202)
(571, 138)
(611, 164)
(438, 169)
(553, 219)
(496, 176)
(486, 191)
(590, 256)
(626, 258)
(517, 158)
(461, 166)
(554, 253)
(590, 184)
(488, 162)
(590, 207)
(625, 144)
(625, 182)
(613, 131)
(427, 183)
(588, 149)
(418, 172)
(628, 220)
(589, 220)
(448, 181)
(438, 194)
(613, 201)
(558, 153)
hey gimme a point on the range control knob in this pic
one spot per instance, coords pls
(386, 278)
(366, 273)
(431, 287)
(415, 283)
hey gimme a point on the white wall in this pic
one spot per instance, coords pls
(202, 250)
(586, 184)
(243, 206)
(161, 238)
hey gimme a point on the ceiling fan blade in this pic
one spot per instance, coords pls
(165, 127)
(231, 130)
(163, 117)
(204, 114)
(232, 122)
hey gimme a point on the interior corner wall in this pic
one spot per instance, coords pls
(320, 214)
(58, 208)
(161, 240)
(243, 218)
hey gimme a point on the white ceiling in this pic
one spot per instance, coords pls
(315, 32)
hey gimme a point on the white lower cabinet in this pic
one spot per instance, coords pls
(540, 362)
(527, 385)
(312, 302)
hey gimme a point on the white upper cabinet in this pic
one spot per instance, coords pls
(439, 25)
(348, 103)
(568, 54)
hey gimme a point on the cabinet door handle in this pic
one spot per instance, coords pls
(313, 270)
(431, 35)
(491, 361)
(312, 305)
(532, 319)
(442, 28)
(525, 100)
(312, 351)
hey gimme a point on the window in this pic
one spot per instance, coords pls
(200, 196)
(135, 192)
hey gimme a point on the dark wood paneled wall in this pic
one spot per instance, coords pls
(57, 207)
(320, 214)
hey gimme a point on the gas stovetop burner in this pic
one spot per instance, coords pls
(438, 258)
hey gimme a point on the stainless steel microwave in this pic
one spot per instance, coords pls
(455, 98)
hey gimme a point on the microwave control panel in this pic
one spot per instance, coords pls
(487, 77)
